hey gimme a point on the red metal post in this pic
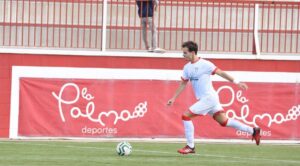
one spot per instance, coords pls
(10, 24)
(41, 34)
(84, 23)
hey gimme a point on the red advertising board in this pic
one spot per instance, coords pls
(64, 107)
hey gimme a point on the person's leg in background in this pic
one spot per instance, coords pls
(154, 37)
(153, 28)
(144, 31)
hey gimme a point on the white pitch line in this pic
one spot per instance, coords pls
(163, 152)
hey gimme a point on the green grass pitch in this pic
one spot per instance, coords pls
(76, 153)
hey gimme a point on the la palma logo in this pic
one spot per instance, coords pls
(292, 114)
(89, 112)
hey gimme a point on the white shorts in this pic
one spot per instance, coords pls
(206, 105)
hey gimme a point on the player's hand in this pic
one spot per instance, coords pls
(170, 102)
(243, 85)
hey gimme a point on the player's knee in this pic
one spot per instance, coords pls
(224, 123)
(185, 117)
(218, 114)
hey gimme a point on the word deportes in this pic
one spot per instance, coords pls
(98, 131)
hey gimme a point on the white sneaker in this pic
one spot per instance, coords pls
(159, 50)
(150, 49)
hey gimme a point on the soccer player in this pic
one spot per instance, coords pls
(198, 72)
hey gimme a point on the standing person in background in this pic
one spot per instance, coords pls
(146, 10)
(198, 72)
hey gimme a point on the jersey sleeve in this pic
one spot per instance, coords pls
(210, 68)
(184, 76)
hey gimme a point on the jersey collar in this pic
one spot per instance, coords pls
(198, 58)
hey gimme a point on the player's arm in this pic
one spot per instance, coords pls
(230, 78)
(181, 87)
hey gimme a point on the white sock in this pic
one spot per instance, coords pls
(239, 126)
(189, 132)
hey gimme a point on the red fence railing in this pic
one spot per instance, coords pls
(218, 26)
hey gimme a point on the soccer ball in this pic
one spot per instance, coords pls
(124, 148)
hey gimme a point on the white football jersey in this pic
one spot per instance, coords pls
(199, 74)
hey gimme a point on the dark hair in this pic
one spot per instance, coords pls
(192, 46)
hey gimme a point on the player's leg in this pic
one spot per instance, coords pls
(189, 132)
(221, 118)
(198, 109)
